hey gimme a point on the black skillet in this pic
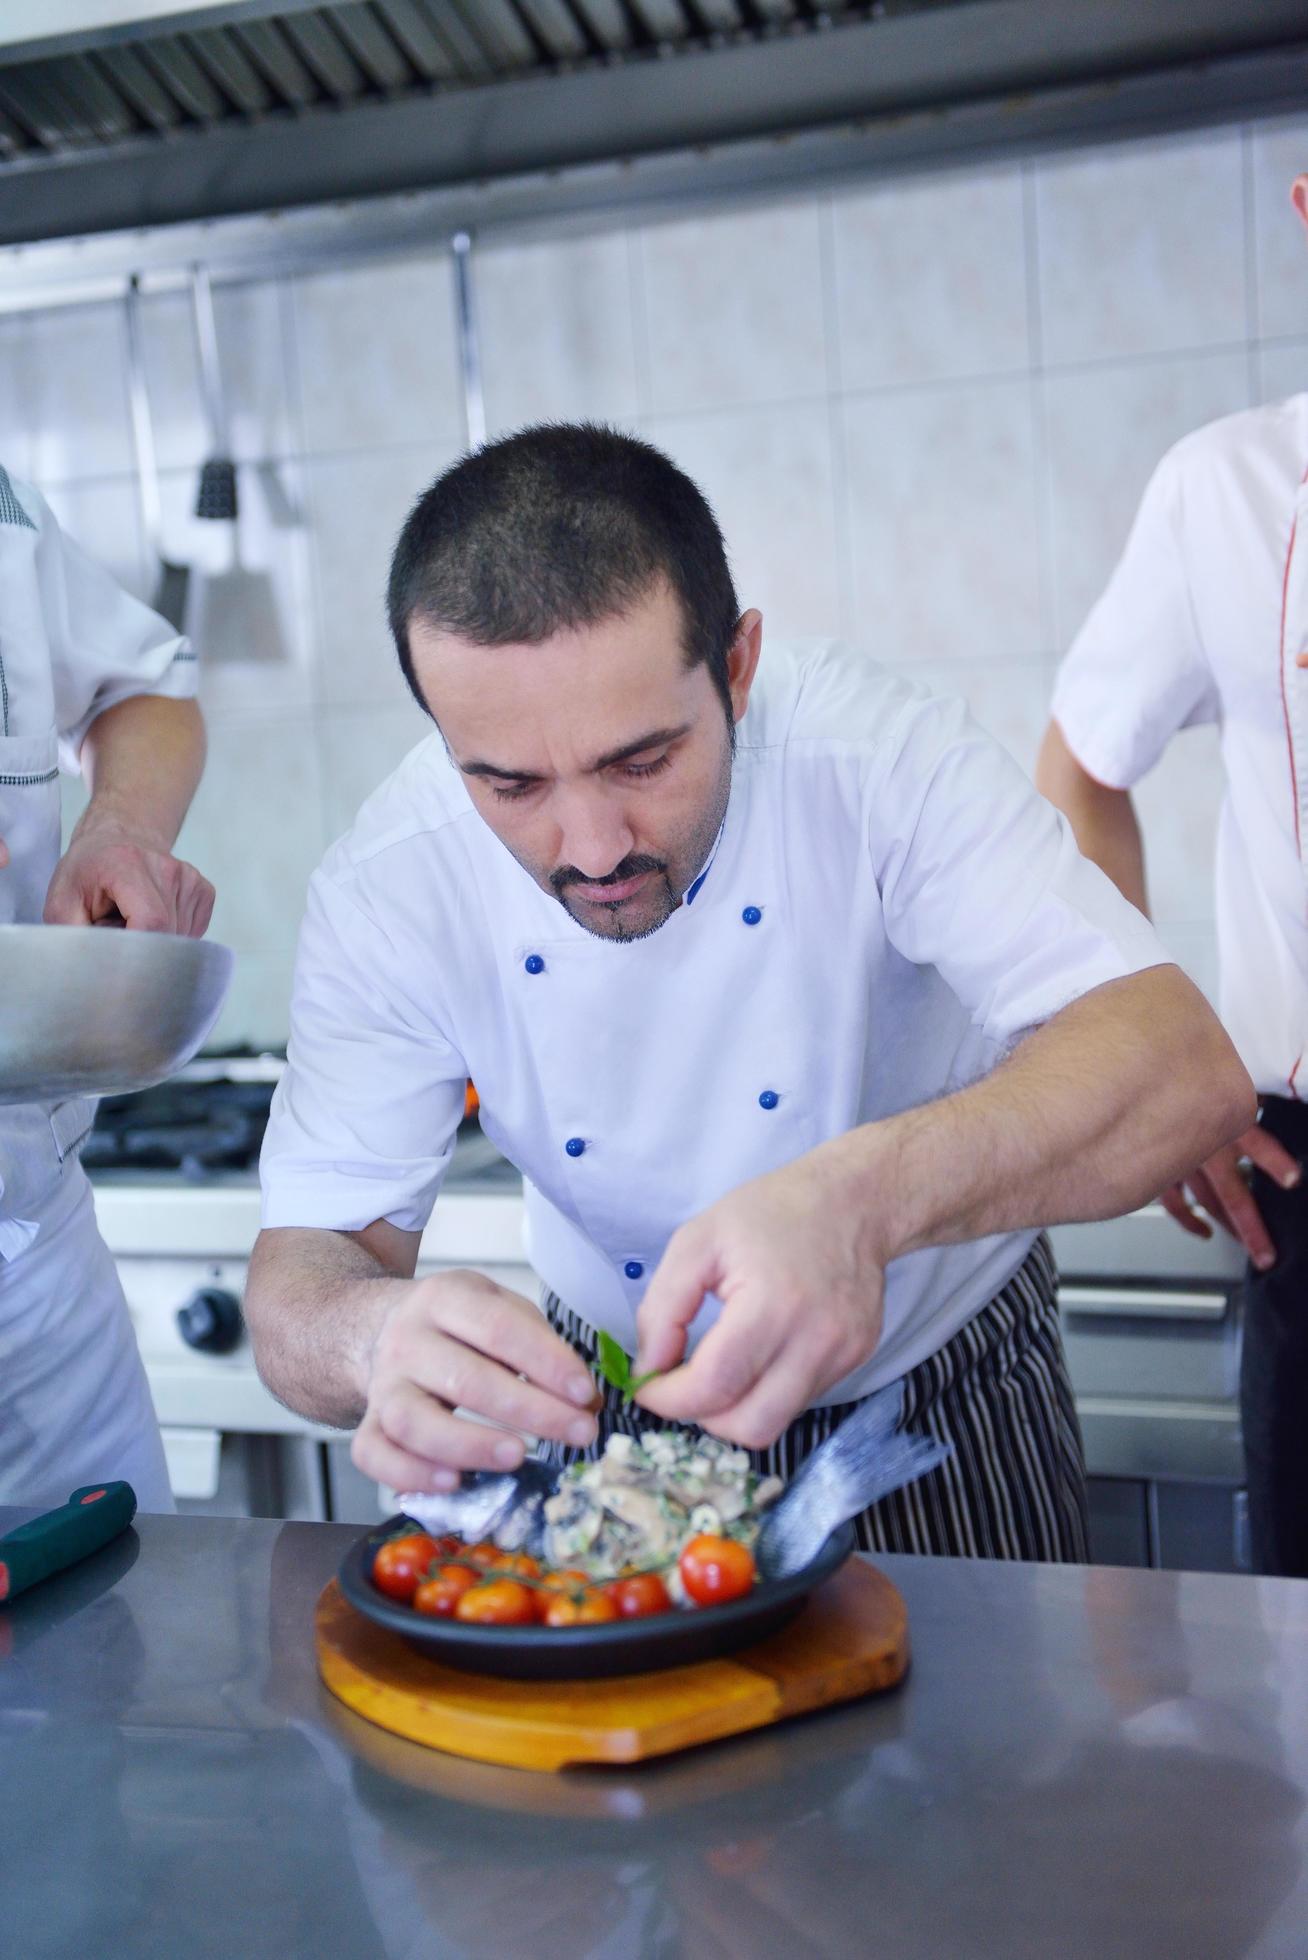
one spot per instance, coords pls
(539, 1653)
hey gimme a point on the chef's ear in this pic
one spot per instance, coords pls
(1299, 197)
(742, 659)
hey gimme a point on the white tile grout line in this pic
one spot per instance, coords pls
(638, 300)
(316, 619)
(1046, 557)
(842, 516)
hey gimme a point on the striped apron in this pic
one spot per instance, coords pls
(998, 1392)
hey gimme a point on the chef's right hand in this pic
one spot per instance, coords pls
(4, 854)
(456, 1340)
(1220, 1187)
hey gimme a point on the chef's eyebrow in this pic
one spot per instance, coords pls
(658, 739)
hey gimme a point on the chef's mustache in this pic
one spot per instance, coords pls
(631, 867)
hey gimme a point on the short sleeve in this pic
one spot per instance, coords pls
(981, 879)
(1137, 671)
(364, 1119)
(105, 646)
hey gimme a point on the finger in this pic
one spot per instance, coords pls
(377, 1457)
(202, 908)
(423, 1428)
(511, 1331)
(466, 1379)
(192, 915)
(1204, 1194)
(1246, 1221)
(727, 1364)
(756, 1422)
(65, 905)
(690, 1268)
(1173, 1201)
(4, 854)
(145, 908)
(1271, 1155)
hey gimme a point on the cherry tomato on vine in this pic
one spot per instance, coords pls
(401, 1562)
(521, 1564)
(438, 1595)
(639, 1594)
(484, 1552)
(568, 1609)
(497, 1603)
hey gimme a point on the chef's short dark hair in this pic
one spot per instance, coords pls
(560, 526)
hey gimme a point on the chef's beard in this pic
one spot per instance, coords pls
(673, 874)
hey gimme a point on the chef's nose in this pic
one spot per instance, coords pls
(594, 834)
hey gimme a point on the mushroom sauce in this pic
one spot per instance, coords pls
(641, 1501)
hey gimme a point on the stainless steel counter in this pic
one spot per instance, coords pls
(1083, 1762)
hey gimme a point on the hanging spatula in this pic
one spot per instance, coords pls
(235, 614)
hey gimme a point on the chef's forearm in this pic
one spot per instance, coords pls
(1103, 820)
(143, 761)
(314, 1303)
(1094, 1114)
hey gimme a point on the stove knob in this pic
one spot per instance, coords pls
(211, 1321)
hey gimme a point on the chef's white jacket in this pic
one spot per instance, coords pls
(72, 644)
(890, 905)
(74, 1402)
(1202, 622)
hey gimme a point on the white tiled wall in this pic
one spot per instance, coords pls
(923, 408)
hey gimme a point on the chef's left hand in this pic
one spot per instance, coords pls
(110, 870)
(795, 1260)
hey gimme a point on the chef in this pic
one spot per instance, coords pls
(89, 677)
(1206, 620)
(797, 1008)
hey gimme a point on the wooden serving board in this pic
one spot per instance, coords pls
(850, 1640)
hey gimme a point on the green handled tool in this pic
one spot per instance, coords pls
(93, 1516)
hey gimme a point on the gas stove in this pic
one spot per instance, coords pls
(191, 1129)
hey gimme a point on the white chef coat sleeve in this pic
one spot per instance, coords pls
(364, 1118)
(1137, 671)
(981, 878)
(105, 646)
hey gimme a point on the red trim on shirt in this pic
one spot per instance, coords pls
(1285, 705)
(1285, 710)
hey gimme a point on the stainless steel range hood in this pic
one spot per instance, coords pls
(117, 113)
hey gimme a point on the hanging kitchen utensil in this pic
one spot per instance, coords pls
(92, 1012)
(172, 579)
(474, 402)
(216, 498)
(235, 613)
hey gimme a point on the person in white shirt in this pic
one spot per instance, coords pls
(1205, 619)
(796, 1006)
(91, 677)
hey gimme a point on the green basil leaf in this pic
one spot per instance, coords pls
(614, 1361)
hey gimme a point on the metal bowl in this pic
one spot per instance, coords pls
(538, 1653)
(90, 1011)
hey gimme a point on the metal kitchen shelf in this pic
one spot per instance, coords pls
(189, 110)
(286, 58)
